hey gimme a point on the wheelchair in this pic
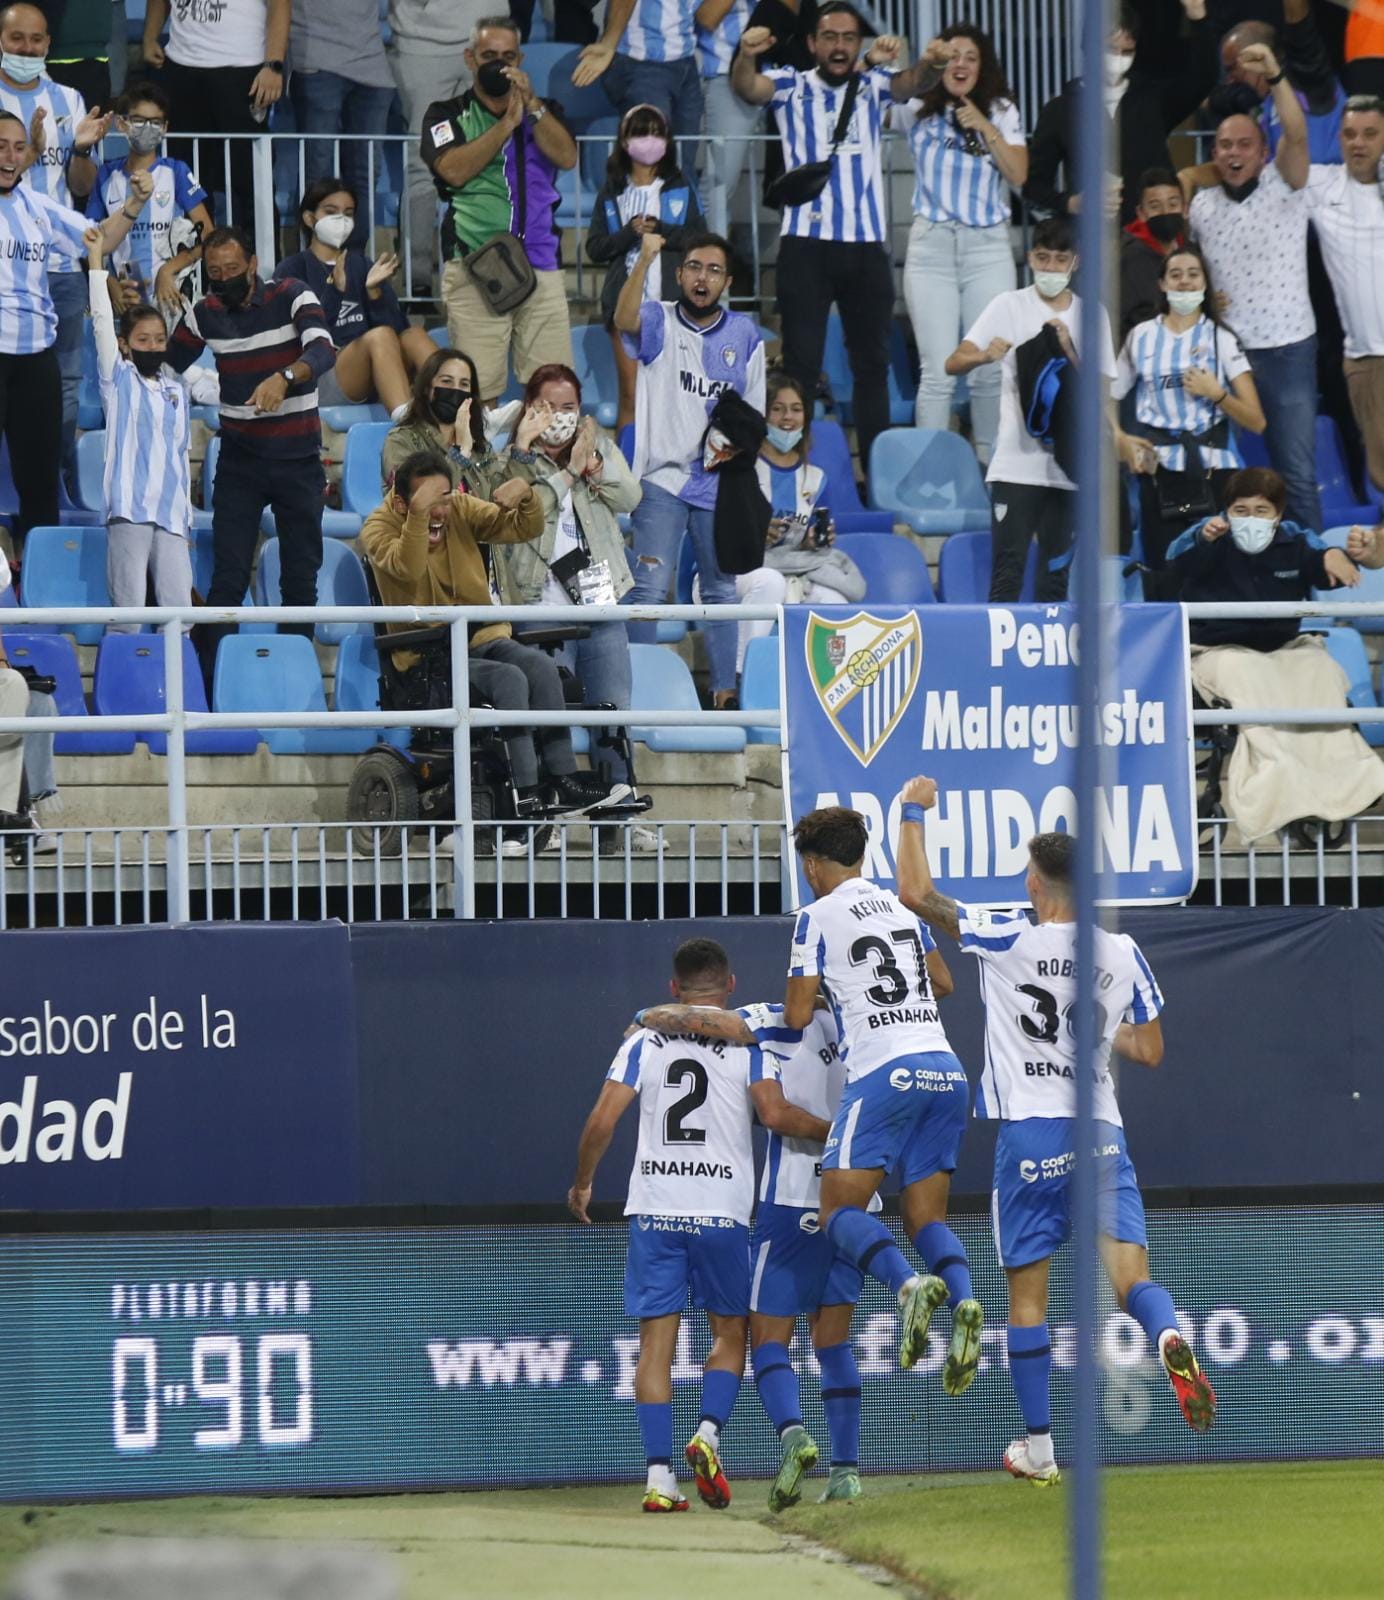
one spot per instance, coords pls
(413, 788)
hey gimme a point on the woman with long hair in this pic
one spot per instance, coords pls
(1191, 380)
(969, 151)
(444, 414)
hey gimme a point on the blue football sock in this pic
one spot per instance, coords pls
(870, 1245)
(946, 1256)
(778, 1386)
(841, 1402)
(1030, 1364)
(719, 1390)
(1152, 1308)
(656, 1430)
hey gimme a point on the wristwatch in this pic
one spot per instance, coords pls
(275, 66)
(286, 373)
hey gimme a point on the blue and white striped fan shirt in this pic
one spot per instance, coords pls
(36, 233)
(850, 210)
(952, 185)
(65, 109)
(1153, 362)
(716, 46)
(660, 30)
(149, 242)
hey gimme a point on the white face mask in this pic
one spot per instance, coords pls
(1183, 302)
(560, 429)
(1117, 67)
(1253, 534)
(23, 69)
(1051, 284)
(334, 231)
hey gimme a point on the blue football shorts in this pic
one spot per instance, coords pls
(906, 1117)
(672, 1258)
(1031, 1204)
(793, 1266)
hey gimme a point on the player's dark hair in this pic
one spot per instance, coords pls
(413, 469)
(1250, 482)
(149, 93)
(1053, 857)
(1155, 178)
(834, 832)
(701, 964)
(1054, 233)
(228, 233)
(710, 241)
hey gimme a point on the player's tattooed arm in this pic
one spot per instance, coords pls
(780, 1115)
(916, 888)
(704, 1021)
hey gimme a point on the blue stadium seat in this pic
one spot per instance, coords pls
(1339, 496)
(593, 361)
(279, 672)
(67, 567)
(54, 655)
(344, 418)
(340, 582)
(550, 68)
(1347, 649)
(358, 684)
(963, 570)
(895, 570)
(759, 685)
(836, 364)
(91, 470)
(360, 468)
(1370, 587)
(129, 679)
(335, 524)
(663, 683)
(594, 155)
(830, 451)
(930, 479)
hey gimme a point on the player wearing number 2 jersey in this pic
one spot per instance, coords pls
(1028, 982)
(690, 1195)
(903, 1108)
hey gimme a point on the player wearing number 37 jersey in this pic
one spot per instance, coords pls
(689, 1201)
(903, 1108)
(1028, 983)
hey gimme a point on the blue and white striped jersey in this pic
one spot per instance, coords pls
(1028, 984)
(1152, 363)
(147, 424)
(149, 242)
(65, 109)
(716, 46)
(850, 210)
(952, 185)
(660, 30)
(870, 951)
(695, 1155)
(35, 234)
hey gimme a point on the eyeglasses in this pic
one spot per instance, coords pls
(828, 37)
(703, 269)
(145, 122)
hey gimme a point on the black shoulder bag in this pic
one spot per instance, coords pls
(800, 185)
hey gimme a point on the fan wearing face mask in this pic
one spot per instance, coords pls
(377, 351)
(146, 266)
(445, 416)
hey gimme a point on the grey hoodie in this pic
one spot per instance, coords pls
(422, 27)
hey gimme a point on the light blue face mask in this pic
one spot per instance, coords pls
(784, 439)
(23, 69)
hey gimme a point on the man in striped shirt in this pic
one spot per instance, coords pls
(271, 345)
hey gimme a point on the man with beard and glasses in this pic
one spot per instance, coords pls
(271, 345)
(835, 248)
(689, 353)
(1252, 227)
(35, 232)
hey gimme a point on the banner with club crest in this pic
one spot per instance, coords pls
(983, 699)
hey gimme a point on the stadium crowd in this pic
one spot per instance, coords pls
(1249, 285)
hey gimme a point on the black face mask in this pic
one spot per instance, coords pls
(695, 312)
(148, 362)
(447, 402)
(834, 80)
(1239, 192)
(234, 292)
(491, 80)
(1168, 227)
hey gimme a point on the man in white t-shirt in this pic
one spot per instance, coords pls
(1030, 495)
(223, 70)
(1252, 228)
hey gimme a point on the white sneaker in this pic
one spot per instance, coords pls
(44, 844)
(1019, 1463)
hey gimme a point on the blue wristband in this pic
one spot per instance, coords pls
(913, 812)
(639, 1019)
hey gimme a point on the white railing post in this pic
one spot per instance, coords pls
(179, 883)
(464, 873)
(264, 223)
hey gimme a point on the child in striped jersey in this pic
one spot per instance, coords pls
(146, 497)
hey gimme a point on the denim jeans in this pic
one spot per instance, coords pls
(69, 292)
(38, 750)
(1286, 378)
(951, 274)
(659, 522)
(602, 663)
(729, 121)
(675, 87)
(325, 102)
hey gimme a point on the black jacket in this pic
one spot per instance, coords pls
(1288, 569)
(1141, 263)
(1047, 395)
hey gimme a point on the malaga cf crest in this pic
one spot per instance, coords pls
(864, 671)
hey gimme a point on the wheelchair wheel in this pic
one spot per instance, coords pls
(384, 789)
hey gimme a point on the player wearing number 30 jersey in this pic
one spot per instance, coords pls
(1029, 986)
(689, 1201)
(903, 1108)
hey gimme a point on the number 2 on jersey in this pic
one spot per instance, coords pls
(675, 1130)
(890, 987)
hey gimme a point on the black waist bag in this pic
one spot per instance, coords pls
(500, 268)
(798, 186)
